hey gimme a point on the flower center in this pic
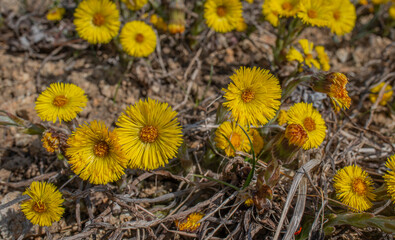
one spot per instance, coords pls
(39, 207)
(139, 38)
(336, 15)
(149, 134)
(235, 139)
(98, 19)
(296, 134)
(60, 101)
(359, 186)
(221, 11)
(248, 96)
(309, 124)
(312, 13)
(287, 6)
(101, 149)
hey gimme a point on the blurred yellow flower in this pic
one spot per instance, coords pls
(354, 188)
(222, 15)
(190, 224)
(138, 39)
(375, 93)
(149, 133)
(363, 2)
(342, 17)
(60, 101)
(45, 205)
(391, 11)
(158, 22)
(323, 58)
(241, 25)
(135, 5)
(282, 117)
(95, 153)
(285, 8)
(308, 53)
(271, 15)
(311, 120)
(230, 133)
(314, 12)
(389, 177)
(97, 21)
(257, 140)
(253, 96)
(294, 55)
(56, 14)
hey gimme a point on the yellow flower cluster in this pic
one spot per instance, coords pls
(308, 55)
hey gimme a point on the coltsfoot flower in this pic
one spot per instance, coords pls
(135, 5)
(389, 177)
(149, 133)
(296, 134)
(375, 93)
(257, 140)
(97, 21)
(354, 188)
(342, 17)
(285, 8)
(314, 12)
(190, 224)
(271, 15)
(55, 14)
(282, 117)
(323, 58)
(310, 119)
(230, 132)
(253, 96)
(222, 15)
(95, 153)
(138, 39)
(60, 101)
(45, 205)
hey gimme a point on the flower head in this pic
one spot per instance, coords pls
(323, 58)
(285, 8)
(282, 117)
(294, 55)
(342, 17)
(190, 224)
(230, 133)
(150, 134)
(135, 5)
(158, 22)
(271, 15)
(138, 39)
(45, 205)
(296, 134)
(257, 140)
(310, 119)
(55, 14)
(60, 100)
(97, 21)
(389, 177)
(253, 96)
(354, 188)
(95, 153)
(375, 93)
(314, 12)
(308, 53)
(222, 15)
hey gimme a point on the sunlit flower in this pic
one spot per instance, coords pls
(45, 205)
(314, 12)
(135, 5)
(285, 8)
(308, 53)
(222, 15)
(257, 140)
(60, 100)
(271, 15)
(150, 134)
(307, 116)
(190, 224)
(296, 134)
(389, 177)
(138, 39)
(253, 96)
(55, 14)
(386, 96)
(354, 188)
(95, 154)
(323, 58)
(342, 17)
(229, 137)
(282, 117)
(97, 21)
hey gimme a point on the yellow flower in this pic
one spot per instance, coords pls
(190, 224)
(271, 15)
(391, 11)
(138, 39)
(45, 205)
(354, 188)
(285, 8)
(363, 2)
(375, 93)
(97, 21)
(222, 15)
(253, 96)
(314, 12)
(60, 100)
(95, 153)
(50, 141)
(241, 25)
(310, 119)
(296, 134)
(282, 117)
(389, 177)
(158, 22)
(135, 5)
(308, 53)
(294, 55)
(55, 14)
(230, 132)
(257, 140)
(249, 202)
(323, 58)
(150, 134)
(342, 17)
